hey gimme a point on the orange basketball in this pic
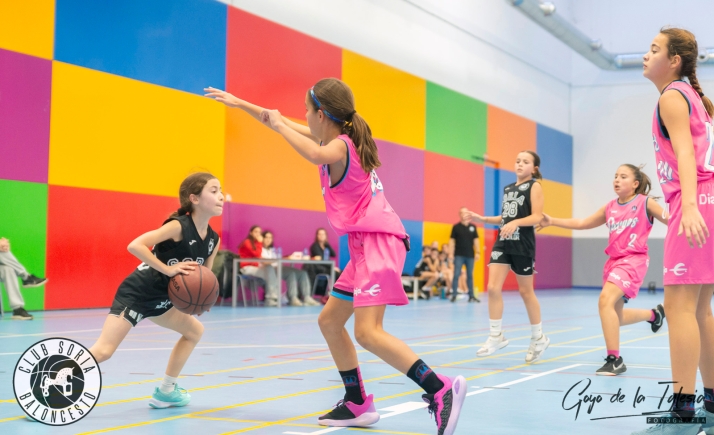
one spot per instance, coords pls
(194, 293)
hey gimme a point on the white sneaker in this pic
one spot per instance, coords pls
(309, 301)
(271, 302)
(492, 345)
(295, 302)
(536, 349)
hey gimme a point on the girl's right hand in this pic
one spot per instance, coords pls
(693, 226)
(546, 222)
(224, 97)
(181, 268)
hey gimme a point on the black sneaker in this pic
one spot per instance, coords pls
(659, 318)
(613, 366)
(474, 299)
(33, 281)
(21, 314)
(348, 414)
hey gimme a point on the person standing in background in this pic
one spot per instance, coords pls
(464, 244)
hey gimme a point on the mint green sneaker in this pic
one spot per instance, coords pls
(707, 427)
(178, 397)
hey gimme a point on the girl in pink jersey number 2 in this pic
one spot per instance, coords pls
(629, 220)
(339, 141)
(683, 139)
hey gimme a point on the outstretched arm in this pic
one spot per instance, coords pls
(592, 221)
(232, 101)
(333, 152)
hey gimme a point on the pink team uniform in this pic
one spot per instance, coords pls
(629, 227)
(682, 264)
(377, 240)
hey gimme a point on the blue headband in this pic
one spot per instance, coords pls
(319, 107)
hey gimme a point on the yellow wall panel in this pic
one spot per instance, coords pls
(112, 133)
(263, 169)
(28, 26)
(442, 233)
(558, 203)
(392, 101)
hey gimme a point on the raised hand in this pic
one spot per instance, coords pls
(224, 97)
(271, 118)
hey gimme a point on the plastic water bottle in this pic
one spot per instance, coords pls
(326, 257)
(304, 253)
(279, 252)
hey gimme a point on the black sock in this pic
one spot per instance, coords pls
(353, 386)
(425, 377)
(683, 405)
(709, 399)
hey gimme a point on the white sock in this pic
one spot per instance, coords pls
(537, 331)
(495, 327)
(168, 384)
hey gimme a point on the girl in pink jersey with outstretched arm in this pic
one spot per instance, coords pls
(629, 220)
(683, 139)
(339, 141)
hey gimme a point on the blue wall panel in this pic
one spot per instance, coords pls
(179, 44)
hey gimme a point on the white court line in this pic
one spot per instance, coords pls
(237, 346)
(413, 406)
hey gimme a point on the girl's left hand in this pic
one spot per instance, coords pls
(508, 229)
(271, 118)
(693, 226)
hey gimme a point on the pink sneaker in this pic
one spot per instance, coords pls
(350, 414)
(446, 404)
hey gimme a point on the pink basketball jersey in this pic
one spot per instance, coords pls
(700, 124)
(629, 227)
(356, 203)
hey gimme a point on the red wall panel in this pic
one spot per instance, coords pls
(449, 184)
(87, 235)
(274, 66)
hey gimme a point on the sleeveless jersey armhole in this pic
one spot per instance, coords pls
(662, 128)
(347, 167)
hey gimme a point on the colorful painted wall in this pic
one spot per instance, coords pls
(102, 116)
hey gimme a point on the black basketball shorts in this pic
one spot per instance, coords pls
(520, 264)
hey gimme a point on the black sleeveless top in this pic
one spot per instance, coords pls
(190, 248)
(517, 205)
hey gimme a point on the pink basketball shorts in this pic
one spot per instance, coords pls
(372, 277)
(627, 273)
(682, 264)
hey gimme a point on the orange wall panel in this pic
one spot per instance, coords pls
(508, 134)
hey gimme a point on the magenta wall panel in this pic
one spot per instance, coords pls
(294, 229)
(554, 262)
(25, 88)
(402, 175)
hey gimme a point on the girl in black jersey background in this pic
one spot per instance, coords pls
(522, 209)
(184, 241)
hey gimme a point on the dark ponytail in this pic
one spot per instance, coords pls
(645, 183)
(682, 43)
(337, 102)
(536, 164)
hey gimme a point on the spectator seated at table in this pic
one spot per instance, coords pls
(321, 250)
(252, 247)
(294, 278)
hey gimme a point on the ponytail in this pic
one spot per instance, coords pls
(697, 87)
(180, 212)
(335, 99)
(358, 130)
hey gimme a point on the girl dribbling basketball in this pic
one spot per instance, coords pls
(629, 220)
(339, 141)
(183, 241)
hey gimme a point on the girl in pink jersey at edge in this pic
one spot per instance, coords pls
(683, 140)
(629, 220)
(339, 141)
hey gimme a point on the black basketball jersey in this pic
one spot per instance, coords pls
(517, 205)
(148, 284)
